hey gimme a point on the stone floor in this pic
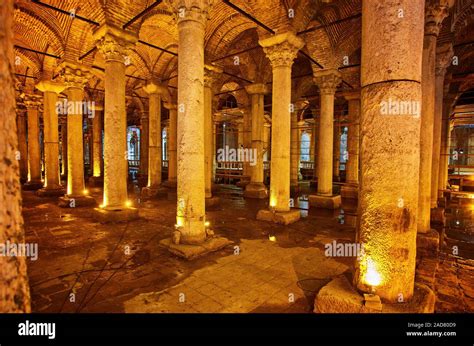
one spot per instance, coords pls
(84, 266)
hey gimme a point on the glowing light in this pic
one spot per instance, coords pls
(207, 223)
(273, 202)
(372, 277)
(86, 192)
(128, 203)
(179, 222)
(272, 238)
(102, 206)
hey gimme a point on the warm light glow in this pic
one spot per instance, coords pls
(273, 202)
(102, 206)
(179, 222)
(372, 277)
(272, 238)
(207, 223)
(86, 192)
(128, 204)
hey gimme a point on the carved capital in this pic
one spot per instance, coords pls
(211, 74)
(114, 43)
(351, 95)
(327, 80)
(191, 10)
(74, 75)
(444, 55)
(170, 106)
(435, 13)
(32, 101)
(50, 86)
(257, 88)
(154, 88)
(282, 49)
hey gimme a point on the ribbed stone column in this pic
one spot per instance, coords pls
(256, 188)
(155, 92)
(435, 14)
(281, 50)
(144, 145)
(443, 60)
(448, 102)
(172, 152)
(113, 44)
(388, 195)
(75, 77)
(32, 103)
(327, 81)
(211, 75)
(52, 185)
(22, 144)
(97, 161)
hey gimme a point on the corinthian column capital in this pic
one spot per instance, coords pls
(444, 54)
(154, 88)
(113, 42)
(327, 80)
(436, 11)
(256, 89)
(282, 49)
(211, 74)
(74, 75)
(32, 101)
(191, 10)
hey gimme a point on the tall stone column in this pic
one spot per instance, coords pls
(14, 288)
(316, 143)
(22, 144)
(390, 148)
(337, 149)
(144, 137)
(75, 78)
(155, 92)
(97, 162)
(294, 151)
(350, 188)
(52, 186)
(211, 75)
(172, 152)
(190, 226)
(448, 102)
(281, 50)
(443, 60)
(113, 43)
(63, 125)
(256, 188)
(435, 13)
(32, 103)
(327, 81)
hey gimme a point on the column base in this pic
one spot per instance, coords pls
(339, 296)
(158, 191)
(427, 243)
(46, 192)
(256, 190)
(96, 181)
(350, 191)
(280, 217)
(438, 217)
(170, 184)
(104, 215)
(325, 202)
(191, 252)
(68, 201)
(212, 201)
(32, 185)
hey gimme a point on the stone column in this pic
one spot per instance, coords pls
(445, 143)
(294, 151)
(114, 43)
(155, 93)
(63, 124)
(22, 144)
(327, 81)
(256, 188)
(144, 137)
(350, 188)
(211, 75)
(32, 103)
(316, 142)
(75, 78)
(337, 149)
(281, 50)
(14, 291)
(172, 153)
(97, 162)
(52, 186)
(191, 218)
(443, 60)
(390, 148)
(435, 14)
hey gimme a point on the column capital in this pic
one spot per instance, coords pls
(444, 54)
(153, 88)
(191, 10)
(282, 49)
(327, 80)
(351, 95)
(436, 11)
(113, 42)
(74, 75)
(32, 101)
(170, 105)
(256, 88)
(50, 86)
(211, 74)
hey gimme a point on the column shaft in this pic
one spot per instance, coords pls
(295, 152)
(326, 145)
(154, 141)
(97, 143)
(352, 166)
(172, 153)
(34, 159)
(22, 144)
(51, 141)
(144, 142)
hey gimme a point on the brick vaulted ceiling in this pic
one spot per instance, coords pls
(44, 29)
